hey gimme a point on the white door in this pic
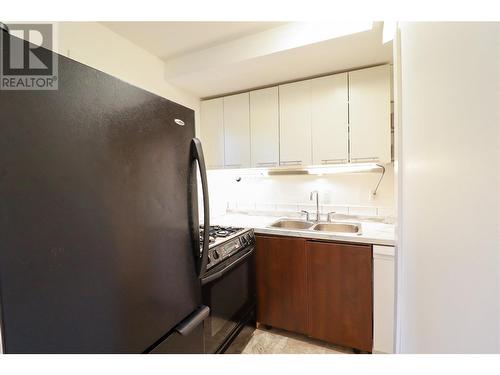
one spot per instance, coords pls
(383, 299)
(264, 128)
(295, 123)
(329, 119)
(237, 131)
(370, 114)
(212, 132)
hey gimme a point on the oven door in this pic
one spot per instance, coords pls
(229, 291)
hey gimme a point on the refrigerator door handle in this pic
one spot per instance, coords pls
(193, 321)
(197, 155)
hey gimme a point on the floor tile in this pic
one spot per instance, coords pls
(274, 341)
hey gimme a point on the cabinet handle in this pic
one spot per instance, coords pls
(333, 161)
(267, 164)
(232, 165)
(373, 158)
(291, 162)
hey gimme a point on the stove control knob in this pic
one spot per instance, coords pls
(243, 240)
(249, 238)
(208, 259)
(215, 254)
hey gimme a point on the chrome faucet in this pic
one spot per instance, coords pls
(317, 202)
(304, 212)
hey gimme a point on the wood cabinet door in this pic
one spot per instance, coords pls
(370, 114)
(295, 124)
(340, 297)
(212, 132)
(281, 283)
(237, 131)
(264, 127)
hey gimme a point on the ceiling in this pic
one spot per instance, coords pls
(211, 59)
(171, 39)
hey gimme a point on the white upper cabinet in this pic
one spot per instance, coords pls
(370, 114)
(264, 127)
(334, 119)
(295, 123)
(237, 131)
(329, 119)
(212, 132)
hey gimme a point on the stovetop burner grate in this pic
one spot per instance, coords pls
(217, 231)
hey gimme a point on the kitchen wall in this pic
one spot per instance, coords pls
(97, 46)
(292, 192)
(449, 188)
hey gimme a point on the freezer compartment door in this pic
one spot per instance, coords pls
(187, 337)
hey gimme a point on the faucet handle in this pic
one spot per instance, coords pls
(329, 216)
(306, 213)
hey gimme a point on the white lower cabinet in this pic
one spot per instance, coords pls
(383, 299)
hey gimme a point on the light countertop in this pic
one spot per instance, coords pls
(372, 232)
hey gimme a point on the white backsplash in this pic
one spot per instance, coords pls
(342, 193)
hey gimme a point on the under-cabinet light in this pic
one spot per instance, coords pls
(325, 170)
(310, 170)
(343, 168)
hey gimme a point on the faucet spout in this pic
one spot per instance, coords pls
(315, 192)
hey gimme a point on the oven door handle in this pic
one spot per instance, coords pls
(209, 278)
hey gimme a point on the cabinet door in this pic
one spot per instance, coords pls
(237, 131)
(383, 299)
(295, 123)
(370, 114)
(281, 283)
(264, 127)
(212, 132)
(329, 119)
(340, 294)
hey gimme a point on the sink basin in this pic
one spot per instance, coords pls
(335, 227)
(338, 227)
(291, 224)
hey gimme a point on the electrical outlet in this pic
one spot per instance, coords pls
(372, 196)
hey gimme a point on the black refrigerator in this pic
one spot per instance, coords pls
(99, 233)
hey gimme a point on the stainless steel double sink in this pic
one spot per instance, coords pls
(332, 227)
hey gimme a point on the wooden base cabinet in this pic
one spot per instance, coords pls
(320, 289)
(281, 283)
(340, 303)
